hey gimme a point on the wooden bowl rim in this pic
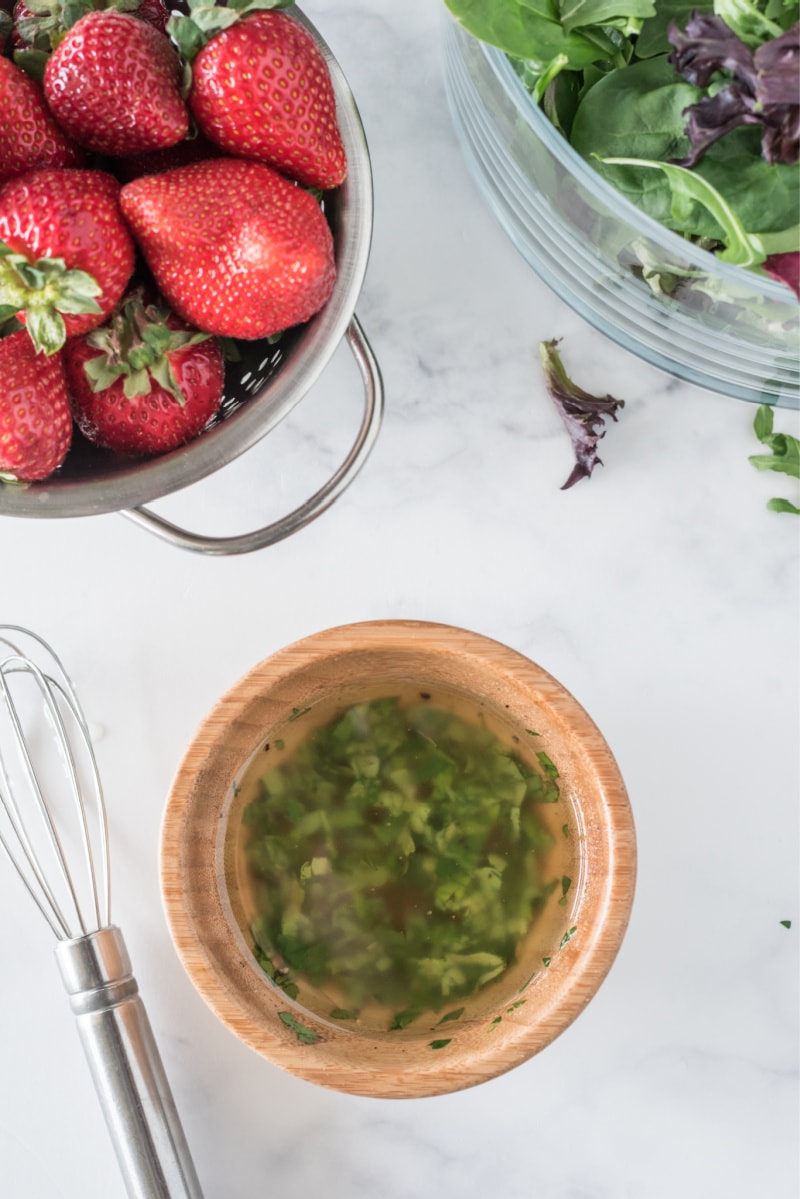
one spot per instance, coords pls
(340, 1058)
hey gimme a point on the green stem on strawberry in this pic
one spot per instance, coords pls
(49, 21)
(135, 346)
(41, 291)
(205, 19)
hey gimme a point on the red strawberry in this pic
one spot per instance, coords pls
(154, 12)
(144, 384)
(66, 254)
(45, 27)
(29, 137)
(35, 418)
(113, 85)
(155, 162)
(234, 247)
(261, 89)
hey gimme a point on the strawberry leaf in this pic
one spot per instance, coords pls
(137, 383)
(41, 291)
(162, 372)
(190, 33)
(135, 346)
(32, 61)
(47, 330)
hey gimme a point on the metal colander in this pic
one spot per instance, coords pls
(259, 391)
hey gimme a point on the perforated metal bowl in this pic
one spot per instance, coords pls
(259, 391)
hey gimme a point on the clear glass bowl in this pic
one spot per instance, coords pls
(720, 326)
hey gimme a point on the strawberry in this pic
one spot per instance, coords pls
(144, 384)
(43, 23)
(113, 85)
(261, 89)
(66, 254)
(155, 162)
(35, 418)
(29, 137)
(234, 247)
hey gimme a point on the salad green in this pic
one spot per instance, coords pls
(783, 456)
(691, 110)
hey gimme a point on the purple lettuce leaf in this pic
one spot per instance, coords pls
(709, 45)
(763, 91)
(583, 414)
(785, 268)
(712, 117)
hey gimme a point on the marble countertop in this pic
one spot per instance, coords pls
(661, 592)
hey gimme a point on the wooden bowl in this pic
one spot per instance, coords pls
(515, 1022)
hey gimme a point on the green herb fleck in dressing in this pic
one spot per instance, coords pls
(395, 859)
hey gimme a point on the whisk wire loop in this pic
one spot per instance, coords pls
(59, 700)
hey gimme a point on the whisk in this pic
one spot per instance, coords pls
(44, 737)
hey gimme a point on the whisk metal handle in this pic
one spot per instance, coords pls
(127, 1070)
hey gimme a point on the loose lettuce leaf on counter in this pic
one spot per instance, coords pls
(784, 455)
(583, 414)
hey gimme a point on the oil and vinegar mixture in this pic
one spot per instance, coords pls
(391, 859)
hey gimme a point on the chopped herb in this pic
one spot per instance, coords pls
(402, 1019)
(279, 743)
(496, 1021)
(343, 1013)
(547, 961)
(440, 1044)
(518, 1003)
(398, 852)
(297, 713)
(282, 978)
(533, 733)
(306, 1036)
(454, 1015)
(568, 936)
(566, 883)
(786, 923)
(565, 829)
(547, 765)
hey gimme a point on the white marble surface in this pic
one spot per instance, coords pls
(661, 592)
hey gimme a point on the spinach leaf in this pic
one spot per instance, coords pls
(532, 29)
(688, 188)
(635, 113)
(750, 22)
(766, 198)
(653, 38)
(638, 114)
(576, 13)
(560, 100)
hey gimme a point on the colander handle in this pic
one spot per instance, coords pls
(244, 543)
